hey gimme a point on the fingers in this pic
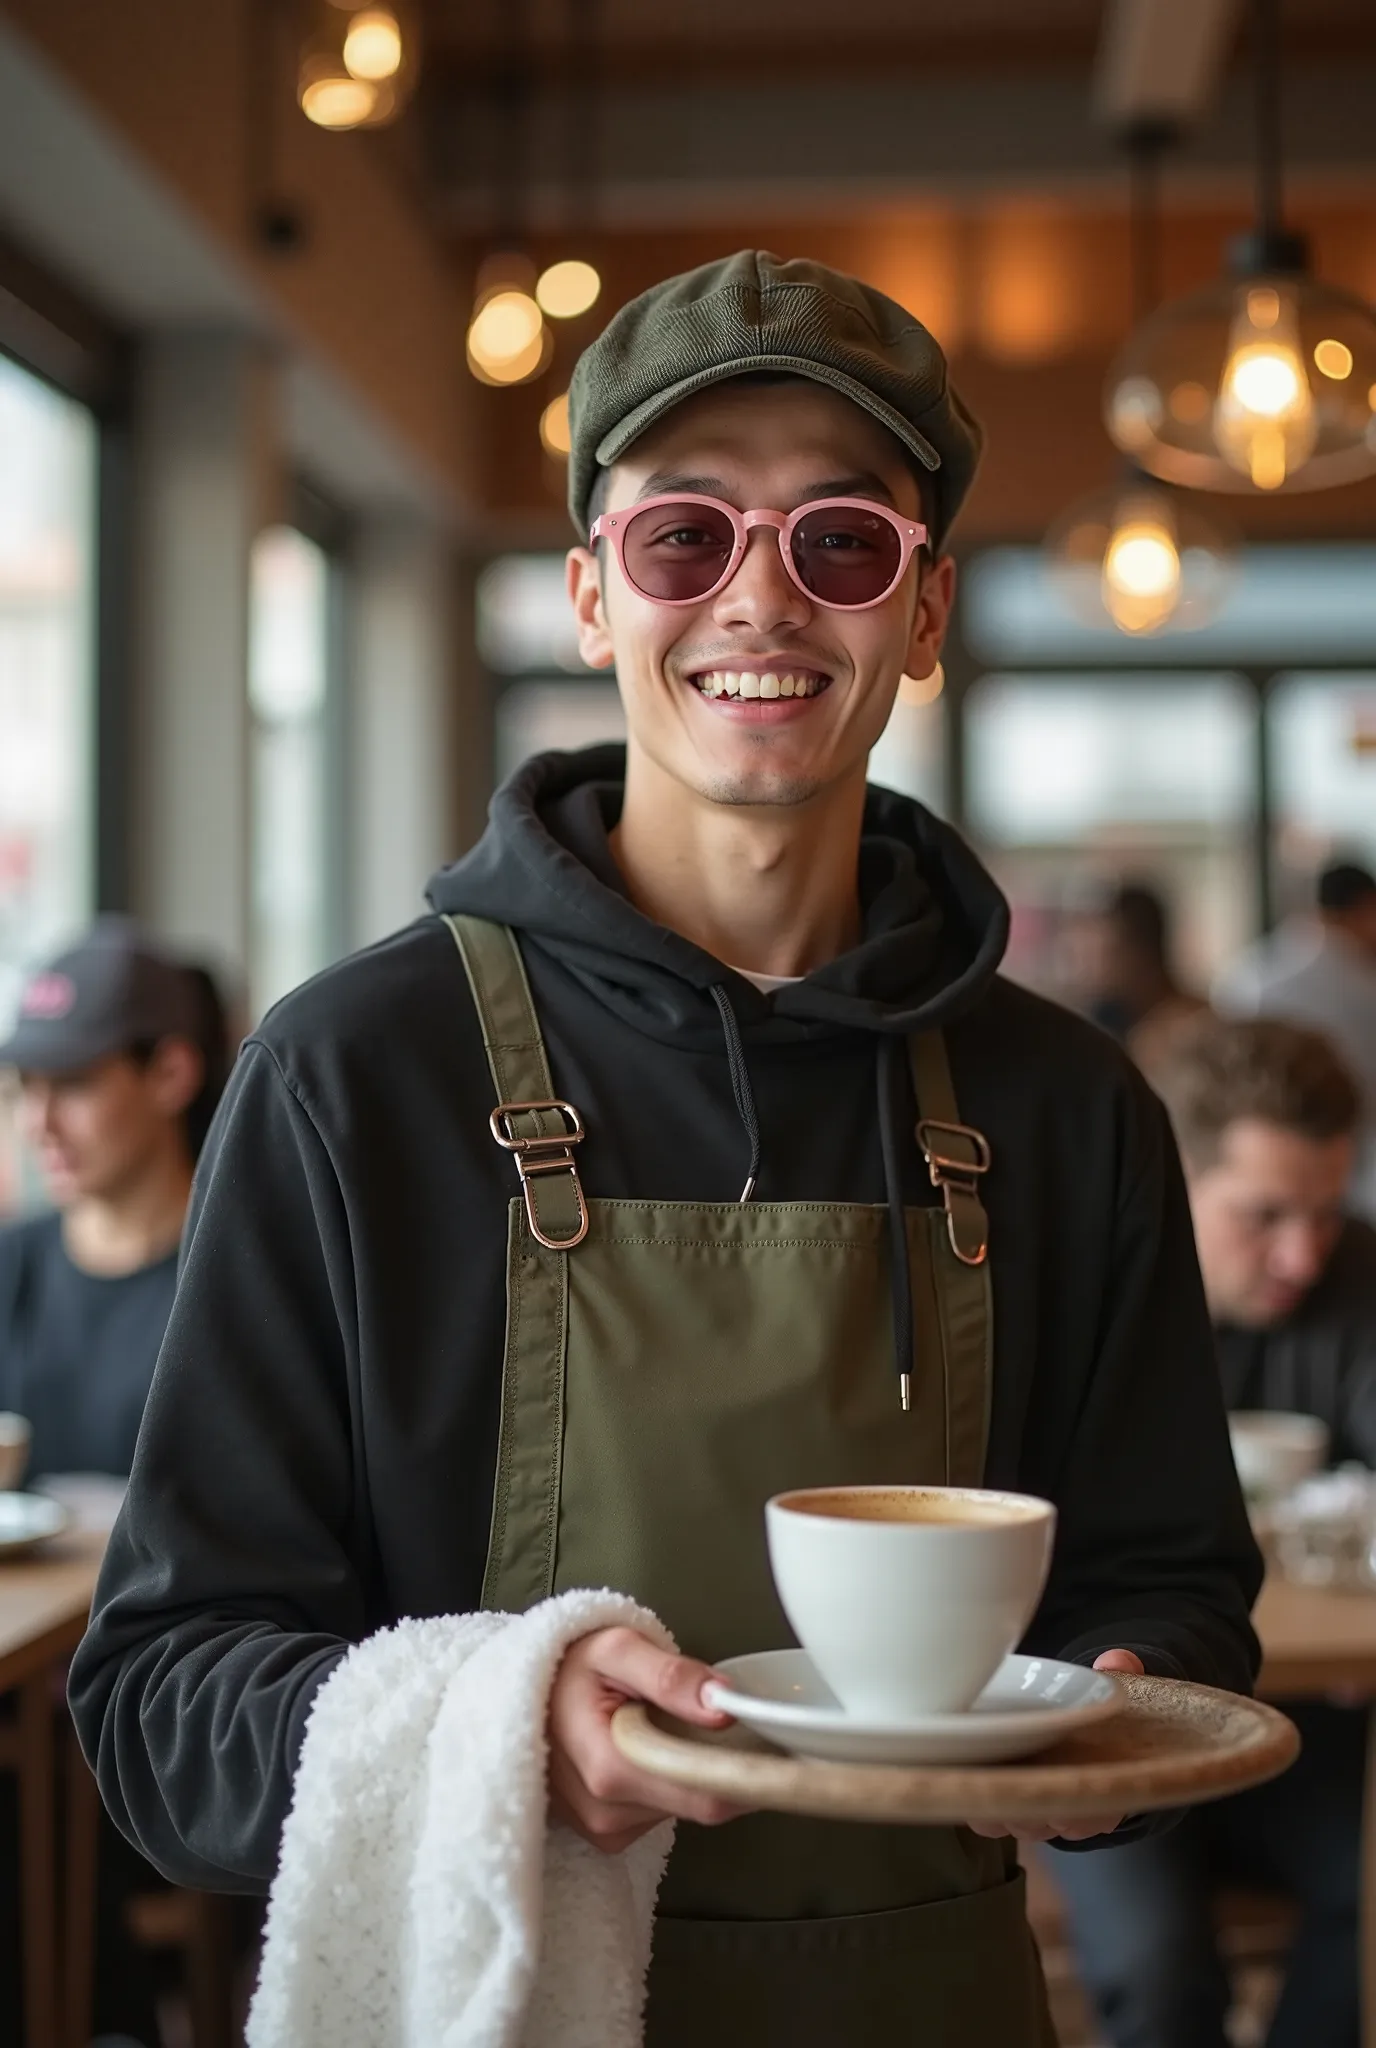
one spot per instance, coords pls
(1121, 1660)
(593, 1789)
(623, 1658)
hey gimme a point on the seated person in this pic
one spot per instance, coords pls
(120, 1057)
(120, 1054)
(1266, 1118)
(1130, 985)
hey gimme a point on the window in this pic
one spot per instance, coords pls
(1073, 778)
(294, 875)
(526, 631)
(1321, 742)
(48, 458)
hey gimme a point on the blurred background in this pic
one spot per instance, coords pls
(289, 297)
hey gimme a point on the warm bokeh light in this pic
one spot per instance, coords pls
(920, 690)
(372, 45)
(554, 426)
(1264, 420)
(504, 326)
(337, 102)
(1141, 574)
(567, 289)
(1334, 359)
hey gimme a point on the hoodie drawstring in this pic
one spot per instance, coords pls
(740, 1084)
(889, 1066)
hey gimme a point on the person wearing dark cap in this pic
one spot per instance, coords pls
(119, 1057)
(699, 991)
(1320, 970)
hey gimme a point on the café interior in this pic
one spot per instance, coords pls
(290, 295)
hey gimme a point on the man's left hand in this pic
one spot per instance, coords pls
(1067, 1830)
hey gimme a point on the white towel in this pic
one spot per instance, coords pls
(420, 1900)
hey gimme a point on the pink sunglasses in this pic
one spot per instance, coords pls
(845, 553)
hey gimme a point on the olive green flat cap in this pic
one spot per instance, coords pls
(750, 312)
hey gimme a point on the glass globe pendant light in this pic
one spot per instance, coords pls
(1136, 555)
(1265, 381)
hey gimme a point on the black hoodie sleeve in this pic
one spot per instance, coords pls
(228, 1592)
(1154, 1551)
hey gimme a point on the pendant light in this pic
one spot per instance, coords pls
(1136, 555)
(1266, 380)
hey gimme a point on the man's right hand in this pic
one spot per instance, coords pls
(592, 1788)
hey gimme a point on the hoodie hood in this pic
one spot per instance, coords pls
(935, 923)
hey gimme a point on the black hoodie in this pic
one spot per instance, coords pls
(318, 1450)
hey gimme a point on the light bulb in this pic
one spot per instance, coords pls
(508, 341)
(372, 45)
(504, 327)
(554, 426)
(1334, 358)
(1140, 577)
(567, 289)
(1264, 417)
(337, 102)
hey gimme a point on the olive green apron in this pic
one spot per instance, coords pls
(668, 1367)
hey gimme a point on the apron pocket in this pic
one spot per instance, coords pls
(958, 1973)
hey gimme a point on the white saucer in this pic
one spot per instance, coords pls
(28, 1519)
(1028, 1704)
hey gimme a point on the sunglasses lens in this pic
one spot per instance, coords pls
(676, 552)
(846, 556)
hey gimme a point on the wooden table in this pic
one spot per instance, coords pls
(1314, 1643)
(44, 1603)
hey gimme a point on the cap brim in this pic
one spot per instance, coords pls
(614, 445)
(43, 1049)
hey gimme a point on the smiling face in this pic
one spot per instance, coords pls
(759, 695)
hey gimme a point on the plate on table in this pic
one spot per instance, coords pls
(1171, 1744)
(1029, 1704)
(29, 1519)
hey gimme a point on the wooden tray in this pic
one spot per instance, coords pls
(1172, 1745)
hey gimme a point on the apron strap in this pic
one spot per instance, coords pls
(957, 1158)
(530, 1120)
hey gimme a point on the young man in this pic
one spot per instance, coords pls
(119, 1056)
(1266, 1118)
(402, 1380)
(1321, 971)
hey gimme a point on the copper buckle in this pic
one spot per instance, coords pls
(541, 1155)
(958, 1179)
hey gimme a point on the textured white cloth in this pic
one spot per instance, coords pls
(421, 1901)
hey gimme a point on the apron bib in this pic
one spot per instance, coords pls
(668, 1366)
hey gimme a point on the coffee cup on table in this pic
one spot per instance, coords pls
(15, 1438)
(908, 1598)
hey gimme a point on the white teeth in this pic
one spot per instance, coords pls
(730, 683)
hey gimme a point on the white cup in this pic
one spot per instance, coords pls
(908, 1598)
(1274, 1451)
(15, 1438)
